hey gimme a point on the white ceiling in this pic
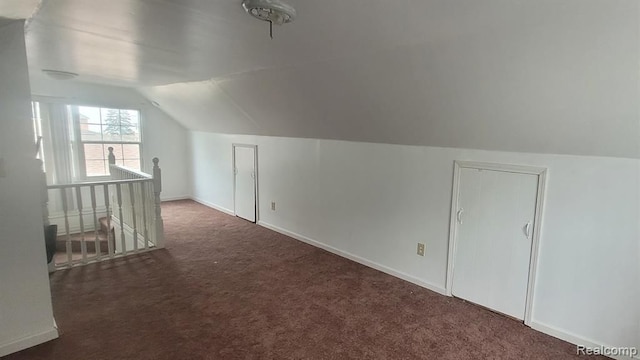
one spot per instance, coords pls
(154, 42)
(518, 75)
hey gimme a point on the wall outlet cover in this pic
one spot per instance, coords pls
(420, 249)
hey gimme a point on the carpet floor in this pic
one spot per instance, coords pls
(227, 289)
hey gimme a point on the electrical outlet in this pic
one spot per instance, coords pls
(420, 249)
(273, 206)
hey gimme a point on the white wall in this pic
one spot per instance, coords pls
(376, 202)
(26, 316)
(162, 136)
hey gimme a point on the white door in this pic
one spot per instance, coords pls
(245, 182)
(495, 215)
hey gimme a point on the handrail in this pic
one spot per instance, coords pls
(95, 183)
(132, 171)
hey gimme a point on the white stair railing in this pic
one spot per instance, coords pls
(147, 198)
(106, 219)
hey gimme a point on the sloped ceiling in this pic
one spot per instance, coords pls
(541, 76)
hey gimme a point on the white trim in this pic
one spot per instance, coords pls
(572, 338)
(29, 341)
(213, 206)
(519, 169)
(255, 179)
(358, 259)
(453, 225)
(175, 198)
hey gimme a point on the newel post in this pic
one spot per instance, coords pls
(157, 189)
(112, 159)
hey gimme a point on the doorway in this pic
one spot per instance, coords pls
(494, 234)
(245, 181)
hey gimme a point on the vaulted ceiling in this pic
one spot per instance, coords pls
(542, 76)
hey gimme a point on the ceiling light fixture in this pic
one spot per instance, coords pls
(60, 75)
(273, 11)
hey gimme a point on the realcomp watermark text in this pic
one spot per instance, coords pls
(607, 351)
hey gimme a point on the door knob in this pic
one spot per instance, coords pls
(459, 215)
(527, 230)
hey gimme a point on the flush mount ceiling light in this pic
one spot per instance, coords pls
(59, 75)
(273, 11)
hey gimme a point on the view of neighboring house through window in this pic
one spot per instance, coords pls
(101, 128)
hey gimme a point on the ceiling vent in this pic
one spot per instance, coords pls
(273, 11)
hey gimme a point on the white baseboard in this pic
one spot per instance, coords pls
(28, 341)
(358, 259)
(572, 338)
(175, 198)
(213, 206)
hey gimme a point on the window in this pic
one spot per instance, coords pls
(75, 140)
(97, 129)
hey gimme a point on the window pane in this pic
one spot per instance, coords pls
(132, 163)
(117, 150)
(130, 125)
(111, 124)
(89, 115)
(90, 132)
(133, 137)
(94, 152)
(96, 167)
(111, 134)
(131, 151)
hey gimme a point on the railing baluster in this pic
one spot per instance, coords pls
(133, 217)
(83, 244)
(106, 203)
(122, 238)
(65, 210)
(152, 204)
(96, 226)
(145, 226)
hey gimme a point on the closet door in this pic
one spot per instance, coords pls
(495, 217)
(245, 181)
